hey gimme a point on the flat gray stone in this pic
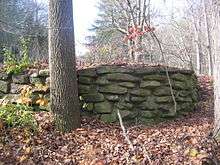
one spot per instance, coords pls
(113, 69)
(150, 84)
(4, 76)
(4, 86)
(113, 98)
(44, 73)
(20, 79)
(89, 72)
(140, 92)
(127, 84)
(122, 77)
(93, 97)
(113, 89)
(103, 107)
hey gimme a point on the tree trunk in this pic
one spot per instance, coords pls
(208, 38)
(198, 47)
(217, 73)
(64, 92)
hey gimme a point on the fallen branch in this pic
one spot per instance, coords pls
(124, 131)
(127, 137)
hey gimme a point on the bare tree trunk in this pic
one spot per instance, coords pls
(198, 48)
(64, 93)
(208, 38)
(217, 73)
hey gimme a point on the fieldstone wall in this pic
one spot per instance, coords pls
(12, 85)
(140, 94)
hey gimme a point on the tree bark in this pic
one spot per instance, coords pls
(198, 47)
(208, 38)
(217, 73)
(64, 91)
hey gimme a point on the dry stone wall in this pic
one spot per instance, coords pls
(140, 94)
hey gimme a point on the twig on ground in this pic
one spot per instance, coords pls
(124, 131)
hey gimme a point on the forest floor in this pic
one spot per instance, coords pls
(183, 141)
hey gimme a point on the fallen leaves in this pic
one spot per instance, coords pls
(181, 141)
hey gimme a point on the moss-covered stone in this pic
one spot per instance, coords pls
(167, 110)
(83, 89)
(136, 99)
(102, 81)
(36, 80)
(170, 114)
(194, 81)
(183, 93)
(187, 106)
(109, 118)
(156, 77)
(126, 115)
(195, 95)
(113, 89)
(4, 76)
(184, 99)
(150, 104)
(149, 84)
(127, 99)
(88, 106)
(93, 97)
(124, 106)
(147, 121)
(179, 77)
(90, 72)
(146, 71)
(2, 95)
(122, 77)
(140, 92)
(85, 80)
(103, 107)
(113, 69)
(4, 86)
(164, 99)
(138, 96)
(148, 114)
(44, 73)
(20, 79)
(179, 85)
(162, 91)
(113, 98)
(127, 84)
(12, 98)
(190, 85)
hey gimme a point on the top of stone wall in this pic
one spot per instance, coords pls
(136, 69)
(107, 68)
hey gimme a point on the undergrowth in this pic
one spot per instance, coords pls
(15, 65)
(17, 115)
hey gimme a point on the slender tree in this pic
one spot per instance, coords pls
(64, 93)
(217, 69)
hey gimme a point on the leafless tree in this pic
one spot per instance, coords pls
(216, 34)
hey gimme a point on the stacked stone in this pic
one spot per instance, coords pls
(11, 85)
(139, 94)
(4, 84)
